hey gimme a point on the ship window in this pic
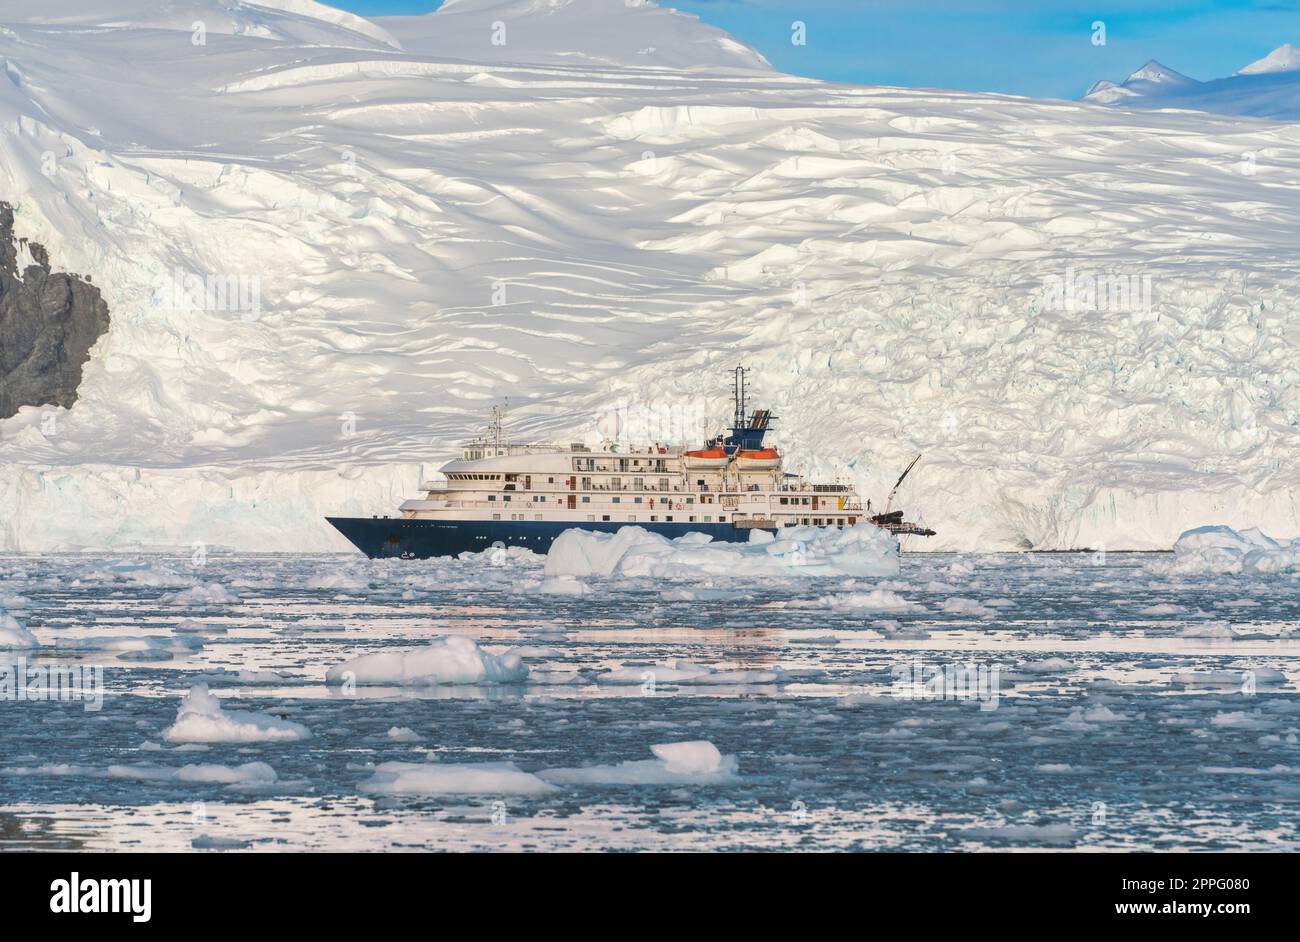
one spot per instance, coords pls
(638, 484)
(537, 516)
(653, 517)
(692, 520)
(805, 521)
(616, 483)
(708, 519)
(669, 518)
(492, 497)
(586, 499)
(604, 516)
(616, 500)
(591, 517)
(636, 500)
(496, 516)
(690, 500)
(550, 480)
(632, 517)
(722, 519)
(785, 500)
(663, 484)
(506, 498)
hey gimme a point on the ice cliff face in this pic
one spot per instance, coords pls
(48, 323)
(328, 249)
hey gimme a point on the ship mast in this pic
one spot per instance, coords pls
(496, 431)
(738, 397)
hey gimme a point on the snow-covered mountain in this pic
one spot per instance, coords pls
(328, 246)
(570, 32)
(1267, 88)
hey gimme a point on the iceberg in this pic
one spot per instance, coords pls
(1223, 549)
(862, 550)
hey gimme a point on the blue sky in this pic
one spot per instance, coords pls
(1041, 48)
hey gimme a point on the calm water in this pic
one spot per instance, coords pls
(1108, 729)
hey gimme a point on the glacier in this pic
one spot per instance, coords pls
(431, 221)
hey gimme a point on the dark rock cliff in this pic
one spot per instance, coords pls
(48, 322)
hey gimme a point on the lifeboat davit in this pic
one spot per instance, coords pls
(758, 459)
(706, 458)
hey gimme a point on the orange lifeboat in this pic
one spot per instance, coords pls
(705, 458)
(758, 459)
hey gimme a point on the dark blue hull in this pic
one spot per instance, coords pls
(396, 537)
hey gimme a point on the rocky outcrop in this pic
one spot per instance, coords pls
(48, 322)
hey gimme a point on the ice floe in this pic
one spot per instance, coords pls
(679, 763)
(14, 635)
(437, 778)
(862, 550)
(450, 659)
(201, 719)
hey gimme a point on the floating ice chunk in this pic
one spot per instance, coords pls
(862, 550)
(216, 842)
(679, 763)
(1023, 834)
(445, 660)
(14, 635)
(255, 773)
(692, 758)
(436, 778)
(1240, 719)
(963, 606)
(201, 719)
(685, 673)
(1047, 665)
(877, 600)
(1223, 549)
(203, 594)
(340, 580)
(563, 585)
(1219, 630)
(404, 734)
(1162, 609)
(131, 648)
(1230, 679)
(241, 678)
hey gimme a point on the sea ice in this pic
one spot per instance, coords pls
(436, 778)
(450, 659)
(862, 550)
(201, 719)
(14, 635)
(679, 763)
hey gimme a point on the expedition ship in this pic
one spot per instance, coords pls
(499, 494)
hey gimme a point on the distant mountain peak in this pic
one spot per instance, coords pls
(1153, 71)
(1285, 58)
